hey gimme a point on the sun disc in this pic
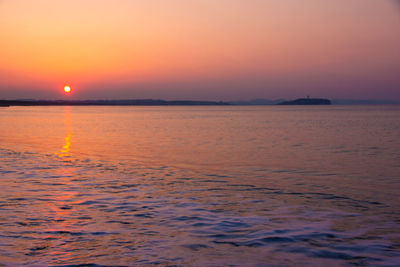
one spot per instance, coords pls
(67, 89)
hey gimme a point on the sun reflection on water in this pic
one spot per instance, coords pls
(62, 209)
(65, 150)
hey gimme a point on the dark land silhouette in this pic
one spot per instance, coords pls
(307, 101)
(158, 102)
(131, 102)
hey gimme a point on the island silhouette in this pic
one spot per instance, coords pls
(307, 101)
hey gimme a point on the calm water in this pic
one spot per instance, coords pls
(200, 186)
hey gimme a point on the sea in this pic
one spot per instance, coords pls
(200, 186)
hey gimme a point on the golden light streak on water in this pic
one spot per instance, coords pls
(65, 150)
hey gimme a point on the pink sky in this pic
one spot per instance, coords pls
(200, 49)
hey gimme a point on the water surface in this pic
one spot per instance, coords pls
(200, 186)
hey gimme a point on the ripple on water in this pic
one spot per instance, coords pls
(91, 214)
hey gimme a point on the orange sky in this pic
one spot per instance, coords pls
(199, 49)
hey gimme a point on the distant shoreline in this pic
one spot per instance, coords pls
(136, 102)
(150, 102)
(157, 102)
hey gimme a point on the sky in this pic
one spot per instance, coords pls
(200, 49)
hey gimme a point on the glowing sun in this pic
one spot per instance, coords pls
(67, 89)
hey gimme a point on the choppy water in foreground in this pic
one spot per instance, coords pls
(200, 186)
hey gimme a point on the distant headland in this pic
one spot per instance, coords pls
(307, 101)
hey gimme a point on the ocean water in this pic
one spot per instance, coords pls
(200, 186)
